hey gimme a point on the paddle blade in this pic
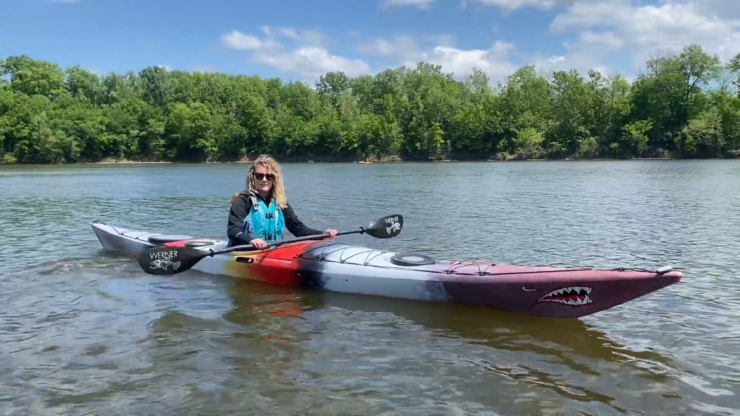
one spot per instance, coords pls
(386, 227)
(165, 261)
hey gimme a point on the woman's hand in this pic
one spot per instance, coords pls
(332, 232)
(259, 243)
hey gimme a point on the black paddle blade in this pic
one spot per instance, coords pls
(386, 227)
(165, 261)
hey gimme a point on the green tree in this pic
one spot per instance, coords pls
(54, 115)
(31, 77)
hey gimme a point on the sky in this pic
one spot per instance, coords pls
(302, 39)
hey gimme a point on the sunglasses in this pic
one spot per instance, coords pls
(262, 176)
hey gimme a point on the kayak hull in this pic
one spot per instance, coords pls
(330, 265)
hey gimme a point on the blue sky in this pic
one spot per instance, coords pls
(300, 39)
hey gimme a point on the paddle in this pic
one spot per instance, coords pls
(163, 261)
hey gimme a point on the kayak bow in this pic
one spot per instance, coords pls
(329, 265)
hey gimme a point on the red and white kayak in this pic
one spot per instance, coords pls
(334, 266)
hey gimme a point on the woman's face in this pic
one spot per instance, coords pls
(263, 179)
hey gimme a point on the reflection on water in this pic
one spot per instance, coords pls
(546, 349)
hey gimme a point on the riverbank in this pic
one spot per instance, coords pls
(499, 157)
(370, 162)
(293, 161)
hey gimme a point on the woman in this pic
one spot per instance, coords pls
(260, 213)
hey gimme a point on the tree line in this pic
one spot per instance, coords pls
(682, 105)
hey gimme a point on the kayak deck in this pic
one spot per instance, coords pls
(330, 265)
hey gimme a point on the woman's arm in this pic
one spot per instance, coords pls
(239, 209)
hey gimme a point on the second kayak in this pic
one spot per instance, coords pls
(334, 266)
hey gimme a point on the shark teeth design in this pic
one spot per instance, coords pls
(571, 295)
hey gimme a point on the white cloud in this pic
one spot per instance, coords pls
(306, 53)
(586, 14)
(639, 30)
(166, 67)
(239, 41)
(440, 50)
(312, 62)
(421, 4)
(589, 52)
(398, 46)
(556, 59)
(635, 27)
(603, 40)
(404, 47)
(518, 4)
(306, 37)
(461, 62)
(605, 33)
(725, 8)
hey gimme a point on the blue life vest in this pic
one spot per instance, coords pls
(264, 221)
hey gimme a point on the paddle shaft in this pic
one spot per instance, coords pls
(164, 260)
(280, 243)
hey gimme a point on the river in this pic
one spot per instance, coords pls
(83, 331)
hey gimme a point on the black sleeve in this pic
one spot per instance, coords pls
(239, 209)
(295, 226)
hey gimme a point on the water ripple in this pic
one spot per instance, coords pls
(84, 331)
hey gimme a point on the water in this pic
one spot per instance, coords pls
(84, 331)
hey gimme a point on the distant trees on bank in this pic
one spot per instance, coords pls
(683, 106)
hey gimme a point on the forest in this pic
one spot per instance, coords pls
(681, 105)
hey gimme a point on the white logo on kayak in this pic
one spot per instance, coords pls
(394, 225)
(164, 264)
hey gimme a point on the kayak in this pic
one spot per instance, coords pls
(556, 292)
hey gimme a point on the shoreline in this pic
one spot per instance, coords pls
(110, 162)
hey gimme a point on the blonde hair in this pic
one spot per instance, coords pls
(278, 191)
